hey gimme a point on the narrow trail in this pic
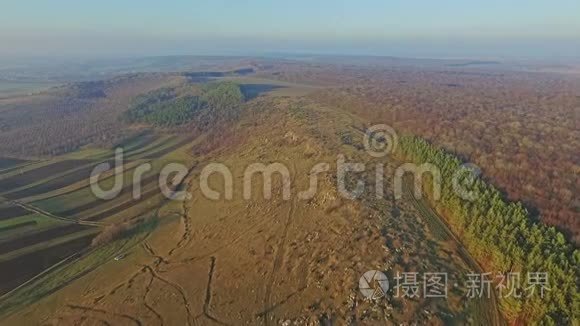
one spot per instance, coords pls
(82, 319)
(491, 306)
(208, 295)
(187, 232)
(114, 290)
(129, 282)
(147, 305)
(281, 302)
(279, 256)
(178, 288)
(105, 312)
(158, 258)
(39, 211)
(233, 241)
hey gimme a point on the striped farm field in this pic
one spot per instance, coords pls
(54, 183)
(6, 163)
(40, 222)
(33, 176)
(45, 204)
(36, 261)
(28, 240)
(10, 211)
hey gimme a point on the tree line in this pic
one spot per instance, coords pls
(507, 128)
(501, 235)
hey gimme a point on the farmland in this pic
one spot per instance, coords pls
(31, 236)
(290, 163)
(149, 260)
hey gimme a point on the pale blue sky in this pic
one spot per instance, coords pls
(427, 27)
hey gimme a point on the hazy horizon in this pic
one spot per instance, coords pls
(453, 29)
(260, 162)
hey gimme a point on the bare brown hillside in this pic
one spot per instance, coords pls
(270, 262)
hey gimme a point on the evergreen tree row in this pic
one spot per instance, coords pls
(502, 236)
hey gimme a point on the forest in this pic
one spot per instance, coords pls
(96, 113)
(41, 125)
(520, 129)
(162, 107)
(222, 95)
(501, 235)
